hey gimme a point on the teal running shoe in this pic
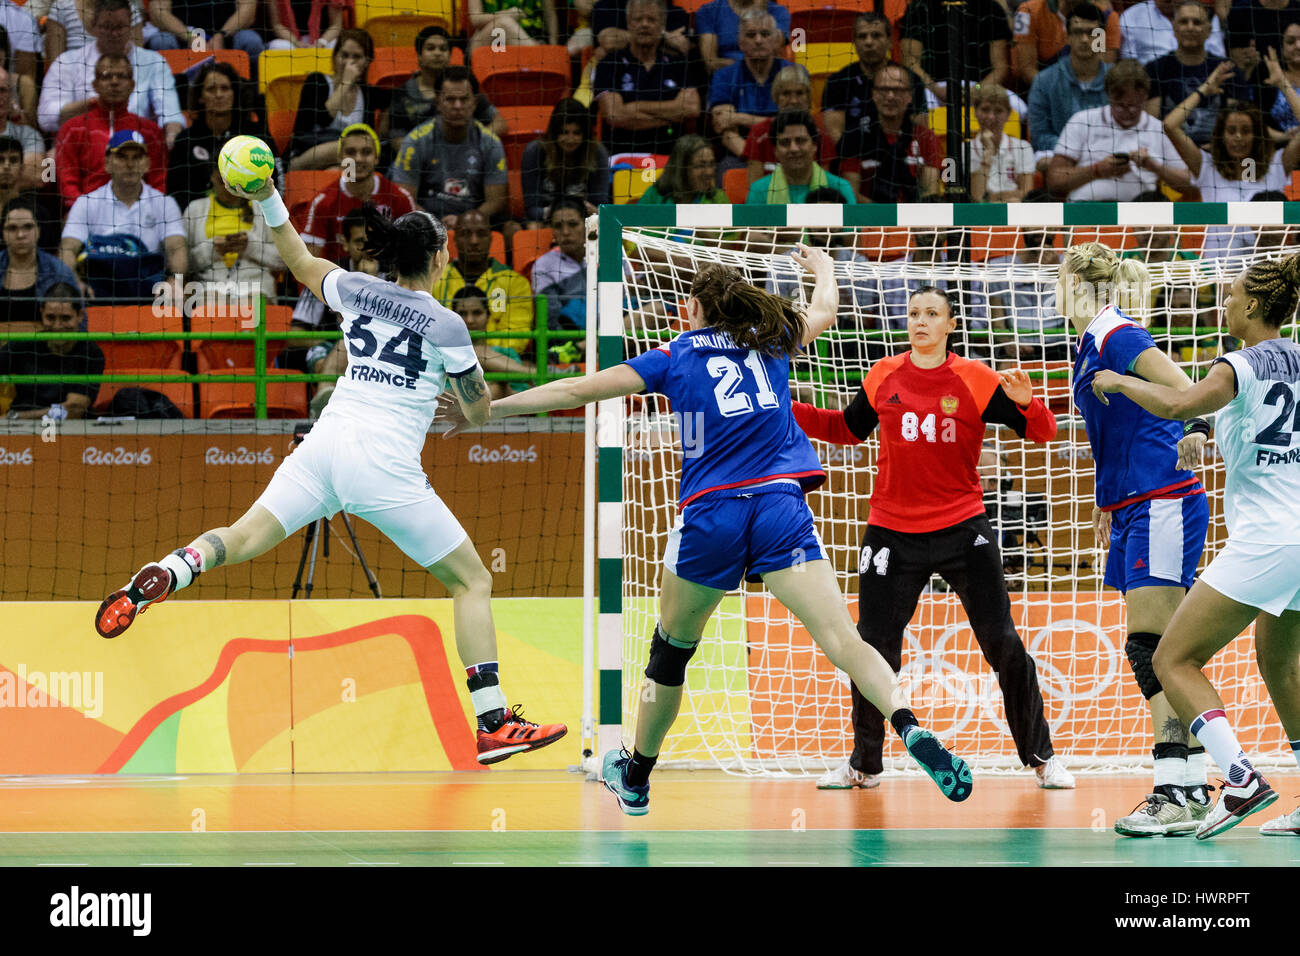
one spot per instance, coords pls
(949, 772)
(634, 801)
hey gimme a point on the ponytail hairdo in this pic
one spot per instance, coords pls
(1109, 280)
(754, 319)
(1275, 284)
(405, 246)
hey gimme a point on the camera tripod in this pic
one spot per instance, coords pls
(312, 535)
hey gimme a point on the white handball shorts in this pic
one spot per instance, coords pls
(1266, 576)
(340, 466)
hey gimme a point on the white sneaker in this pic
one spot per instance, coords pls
(1157, 816)
(1286, 825)
(1235, 804)
(846, 778)
(1053, 775)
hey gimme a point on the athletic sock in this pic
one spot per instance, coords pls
(638, 769)
(1213, 730)
(902, 719)
(185, 564)
(1171, 770)
(486, 695)
(1194, 780)
(1295, 749)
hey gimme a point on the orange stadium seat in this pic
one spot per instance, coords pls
(735, 183)
(281, 74)
(123, 356)
(523, 75)
(236, 399)
(180, 393)
(525, 248)
(302, 185)
(516, 187)
(181, 60)
(223, 355)
(393, 66)
(497, 250)
(523, 125)
(690, 6)
(280, 126)
(399, 22)
(825, 21)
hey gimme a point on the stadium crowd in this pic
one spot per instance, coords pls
(514, 123)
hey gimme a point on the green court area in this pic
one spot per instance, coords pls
(577, 848)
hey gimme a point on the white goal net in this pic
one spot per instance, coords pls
(760, 697)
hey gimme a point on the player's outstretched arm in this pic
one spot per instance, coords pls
(1210, 394)
(306, 268)
(825, 300)
(1155, 366)
(471, 391)
(562, 393)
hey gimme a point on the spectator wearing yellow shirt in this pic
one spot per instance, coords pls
(509, 297)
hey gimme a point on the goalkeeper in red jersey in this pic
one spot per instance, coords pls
(927, 517)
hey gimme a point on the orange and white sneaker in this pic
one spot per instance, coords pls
(152, 584)
(515, 736)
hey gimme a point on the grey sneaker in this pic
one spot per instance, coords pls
(1198, 801)
(845, 777)
(1157, 816)
(1286, 825)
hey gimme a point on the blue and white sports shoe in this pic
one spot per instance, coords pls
(634, 801)
(949, 772)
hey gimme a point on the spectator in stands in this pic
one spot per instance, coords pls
(924, 45)
(1040, 33)
(797, 173)
(132, 235)
(49, 217)
(61, 311)
(68, 90)
(791, 90)
(689, 177)
(512, 23)
(323, 227)
(718, 26)
(609, 24)
(846, 100)
(26, 272)
(450, 163)
(510, 299)
(1002, 167)
(565, 162)
(22, 46)
(1254, 27)
(230, 251)
(1112, 153)
(895, 159)
(857, 297)
(1175, 76)
(65, 30)
(328, 104)
(414, 102)
(1280, 114)
(645, 92)
(217, 25)
(302, 23)
(33, 143)
(1239, 161)
(221, 104)
(471, 304)
(1070, 85)
(1148, 31)
(561, 274)
(82, 140)
(740, 95)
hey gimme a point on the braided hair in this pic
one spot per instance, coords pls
(1275, 284)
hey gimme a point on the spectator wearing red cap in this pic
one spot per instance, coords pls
(82, 140)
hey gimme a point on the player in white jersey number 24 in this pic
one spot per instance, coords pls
(363, 455)
(1254, 577)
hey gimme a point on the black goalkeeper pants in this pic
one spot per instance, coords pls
(894, 568)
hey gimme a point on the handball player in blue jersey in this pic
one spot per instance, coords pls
(742, 513)
(1150, 510)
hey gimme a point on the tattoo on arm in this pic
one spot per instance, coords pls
(471, 387)
(1172, 731)
(218, 548)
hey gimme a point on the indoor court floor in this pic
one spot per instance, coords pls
(551, 818)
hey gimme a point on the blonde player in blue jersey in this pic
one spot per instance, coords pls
(1256, 577)
(742, 509)
(1150, 511)
(363, 455)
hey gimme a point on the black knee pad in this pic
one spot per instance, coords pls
(668, 660)
(1141, 647)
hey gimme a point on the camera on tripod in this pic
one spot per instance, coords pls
(1018, 518)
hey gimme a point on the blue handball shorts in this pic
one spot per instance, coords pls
(718, 541)
(1157, 543)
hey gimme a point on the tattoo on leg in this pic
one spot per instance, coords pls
(1172, 731)
(218, 548)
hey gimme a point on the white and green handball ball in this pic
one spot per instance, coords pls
(247, 163)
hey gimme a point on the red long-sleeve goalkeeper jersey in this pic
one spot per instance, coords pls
(931, 430)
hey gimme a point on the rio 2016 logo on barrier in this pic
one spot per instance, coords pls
(116, 456)
(8, 457)
(481, 455)
(240, 456)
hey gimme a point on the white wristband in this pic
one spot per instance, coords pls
(274, 209)
(57, 413)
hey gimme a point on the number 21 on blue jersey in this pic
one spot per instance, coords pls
(731, 401)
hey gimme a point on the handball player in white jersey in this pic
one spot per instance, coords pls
(363, 455)
(1256, 577)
